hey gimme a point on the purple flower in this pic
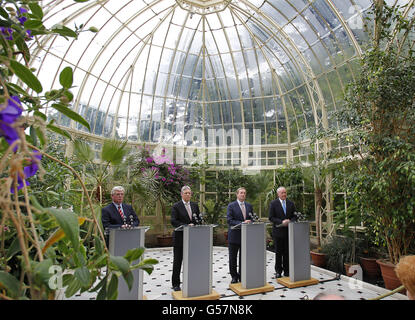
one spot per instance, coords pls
(149, 160)
(22, 19)
(8, 115)
(7, 32)
(28, 171)
(29, 35)
(162, 159)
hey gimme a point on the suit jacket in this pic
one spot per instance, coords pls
(179, 216)
(111, 218)
(276, 216)
(234, 216)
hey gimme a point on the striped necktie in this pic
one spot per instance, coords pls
(120, 211)
(284, 207)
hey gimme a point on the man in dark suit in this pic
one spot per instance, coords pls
(281, 212)
(238, 212)
(118, 214)
(183, 212)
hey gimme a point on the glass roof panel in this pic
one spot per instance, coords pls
(271, 65)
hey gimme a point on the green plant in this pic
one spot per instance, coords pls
(379, 110)
(162, 178)
(213, 212)
(35, 236)
(339, 250)
(97, 174)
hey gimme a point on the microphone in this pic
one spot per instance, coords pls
(124, 220)
(253, 217)
(202, 218)
(196, 218)
(131, 220)
(299, 216)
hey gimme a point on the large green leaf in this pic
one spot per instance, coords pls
(74, 286)
(66, 77)
(33, 24)
(121, 263)
(129, 278)
(83, 275)
(134, 254)
(3, 13)
(71, 114)
(147, 265)
(36, 10)
(113, 151)
(58, 130)
(26, 76)
(10, 283)
(21, 44)
(41, 271)
(64, 31)
(68, 221)
(112, 291)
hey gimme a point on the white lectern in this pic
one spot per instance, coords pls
(197, 263)
(299, 256)
(120, 241)
(253, 259)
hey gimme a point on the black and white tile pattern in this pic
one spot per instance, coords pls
(157, 286)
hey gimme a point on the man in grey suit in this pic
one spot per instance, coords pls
(183, 212)
(281, 213)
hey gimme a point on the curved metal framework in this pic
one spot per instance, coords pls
(158, 72)
(255, 75)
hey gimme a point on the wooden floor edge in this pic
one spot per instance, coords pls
(303, 283)
(178, 295)
(237, 288)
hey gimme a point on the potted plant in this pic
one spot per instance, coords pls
(213, 215)
(163, 179)
(346, 221)
(379, 111)
(318, 257)
(369, 265)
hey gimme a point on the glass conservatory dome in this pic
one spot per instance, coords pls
(206, 73)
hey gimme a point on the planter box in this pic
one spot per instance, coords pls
(164, 241)
(318, 259)
(370, 267)
(389, 275)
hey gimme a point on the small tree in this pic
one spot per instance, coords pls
(379, 108)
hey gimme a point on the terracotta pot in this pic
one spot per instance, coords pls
(370, 267)
(165, 241)
(318, 259)
(389, 276)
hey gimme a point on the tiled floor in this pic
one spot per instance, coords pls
(157, 286)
